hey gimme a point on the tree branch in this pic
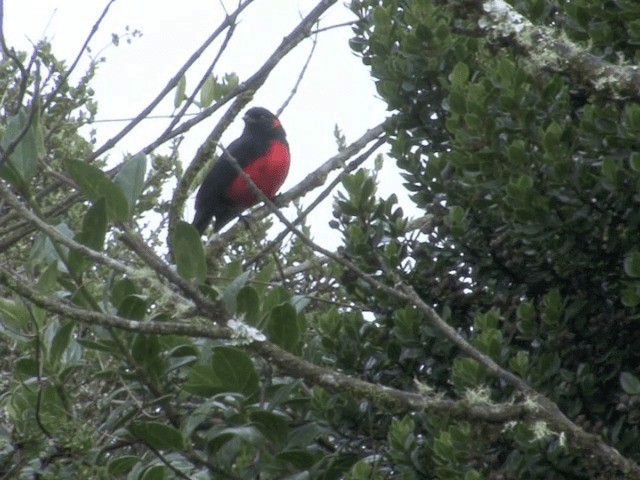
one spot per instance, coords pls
(547, 51)
(67, 74)
(243, 94)
(381, 396)
(549, 411)
(171, 84)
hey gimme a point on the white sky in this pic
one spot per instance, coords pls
(337, 88)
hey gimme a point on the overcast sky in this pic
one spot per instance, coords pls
(337, 88)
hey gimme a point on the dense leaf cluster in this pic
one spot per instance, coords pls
(532, 187)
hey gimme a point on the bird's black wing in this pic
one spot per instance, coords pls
(211, 199)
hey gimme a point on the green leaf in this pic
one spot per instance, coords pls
(551, 138)
(283, 328)
(467, 373)
(299, 458)
(506, 69)
(457, 105)
(472, 475)
(305, 435)
(130, 178)
(48, 280)
(230, 296)
(609, 169)
(525, 182)
(520, 363)
(234, 371)
(630, 383)
(121, 289)
(60, 342)
(155, 472)
(13, 315)
(158, 435)
(145, 348)
(208, 91)
(229, 370)
(381, 15)
(632, 264)
(367, 189)
(189, 253)
(401, 431)
(180, 89)
(456, 214)
(22, 164)
(201, 381)
(633, 116)
(94, 226)
(95, 184)
(249, 434)
(553, 306)
(122, 465)
(272, 425)
(44, 251)
(459, 75)
(362, 470)
(26, 368)
(248, 303)
(300, 302)
(201, 414)
(133, 307)
(630, 295)
(94, 231)
(634, 161)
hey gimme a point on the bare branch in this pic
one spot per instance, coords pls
(189, 101)
(63, 79)
(171, 84)
(383, 397)
(337, 25)
(303, 70)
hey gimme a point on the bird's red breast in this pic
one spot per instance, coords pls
(268, 172)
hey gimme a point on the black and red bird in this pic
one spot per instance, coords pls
(263, 153)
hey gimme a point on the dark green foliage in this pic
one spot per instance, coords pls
(532, 187)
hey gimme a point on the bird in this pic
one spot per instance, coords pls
(262, 151)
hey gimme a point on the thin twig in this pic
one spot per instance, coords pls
(189, 101)
(294, 90)
(39, 367)
(166, 462)
(65, 76)
(337, 25)
(171, 84)
(9, 53)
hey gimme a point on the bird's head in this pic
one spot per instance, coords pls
(261, 120)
